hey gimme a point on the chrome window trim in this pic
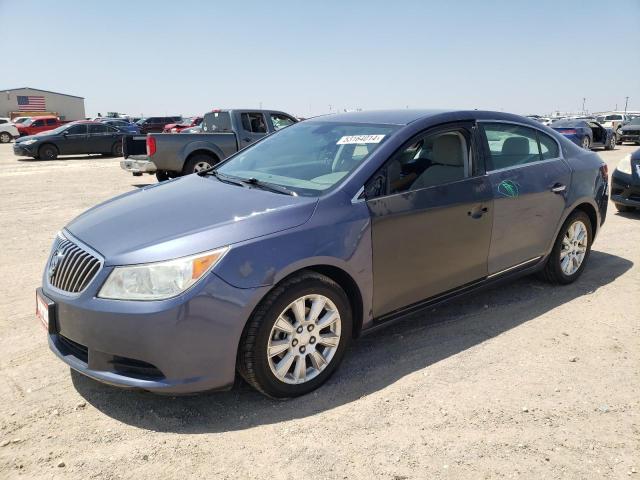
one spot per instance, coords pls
(520, 124)
(65, 234)
(358, 197)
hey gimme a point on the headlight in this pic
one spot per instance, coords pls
(161, 280)
(625, 165)
(29, 142)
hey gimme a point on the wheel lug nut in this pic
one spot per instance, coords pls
(302, 349)
(299, 329)
(310, 327)
(312, 340)
(294, 342)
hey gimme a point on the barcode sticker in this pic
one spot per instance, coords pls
(354, 139)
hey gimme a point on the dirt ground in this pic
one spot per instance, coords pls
(522, 381)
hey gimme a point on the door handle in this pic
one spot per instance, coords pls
(558, 188)
(477, 212)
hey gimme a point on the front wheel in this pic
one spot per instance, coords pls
(570, 250)
(48, 152)
(5, 137)
(297, 336)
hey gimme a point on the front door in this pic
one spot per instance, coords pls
(431, 210)
(529, 179)
(74, 139)
(254, 127)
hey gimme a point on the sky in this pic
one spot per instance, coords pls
(309, 58)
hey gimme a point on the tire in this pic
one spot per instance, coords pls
(586, 143)
(611, 144)
(116, 150)
(553, 270)
(303, 373)
(164, 175)
(624, 208)
(5, 137)
(198, 162)
(48, 152)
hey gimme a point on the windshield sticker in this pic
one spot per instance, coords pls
(356, 139)
(508, 188)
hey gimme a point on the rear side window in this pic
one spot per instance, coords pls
(548, 146)
(510, 145)
(51, 121)
(216, 122)
(98, 128)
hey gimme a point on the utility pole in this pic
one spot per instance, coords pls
(584, 99)
(626, 102)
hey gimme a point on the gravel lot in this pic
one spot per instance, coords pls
(522, 381)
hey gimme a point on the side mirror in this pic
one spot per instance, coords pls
(375, 187)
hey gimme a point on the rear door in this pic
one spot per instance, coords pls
(529, 180)
(253, 126)
(431, 210)
(101, 138)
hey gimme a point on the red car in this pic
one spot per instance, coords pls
(186, 123)
(38, 124)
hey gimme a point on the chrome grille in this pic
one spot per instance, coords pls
(70, 267)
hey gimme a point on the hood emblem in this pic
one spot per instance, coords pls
(56, 260)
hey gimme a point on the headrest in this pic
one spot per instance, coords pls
(447, 150)
(515, 146)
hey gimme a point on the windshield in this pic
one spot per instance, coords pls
(309, 157)
(56, 131)
(20, 120)
(141, 121)
(608, 118)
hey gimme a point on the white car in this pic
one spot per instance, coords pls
(8, 130)
(613, 121)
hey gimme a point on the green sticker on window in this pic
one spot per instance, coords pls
(508, 188)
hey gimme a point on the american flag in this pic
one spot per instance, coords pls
(31, 103)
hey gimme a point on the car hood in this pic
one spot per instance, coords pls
(28, 137)
(181, 217)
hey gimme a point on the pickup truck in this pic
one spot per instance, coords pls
(38, 124)
(224, 132)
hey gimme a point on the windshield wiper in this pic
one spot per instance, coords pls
(269, 186)
(220, 176)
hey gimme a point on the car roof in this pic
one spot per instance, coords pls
(407, 116)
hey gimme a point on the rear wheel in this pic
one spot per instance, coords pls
(586, 143)
(297, 336)
(611, 144)
(571, 250)
(116, 150)
(198, 163)
(48, 152)
(163, 175)
(5, 137)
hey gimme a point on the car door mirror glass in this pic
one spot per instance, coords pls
(374, 188)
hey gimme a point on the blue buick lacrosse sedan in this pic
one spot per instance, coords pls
(271, 262)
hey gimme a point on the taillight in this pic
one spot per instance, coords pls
(568, 131)
(604, 171)
(151, 146)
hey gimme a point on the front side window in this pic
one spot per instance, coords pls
(254, 122)
(309, 157)
(38, 123)
(280, 121)
(80, 129)
(430, 160)
(510, 145)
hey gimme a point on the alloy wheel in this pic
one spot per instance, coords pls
(585, 143)
(574, 247)
(304, 339)
(5, 137)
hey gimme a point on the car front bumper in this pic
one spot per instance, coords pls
(628, 137)
(138, 165)
(625, 189)
(181, 345)
(23, 150)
